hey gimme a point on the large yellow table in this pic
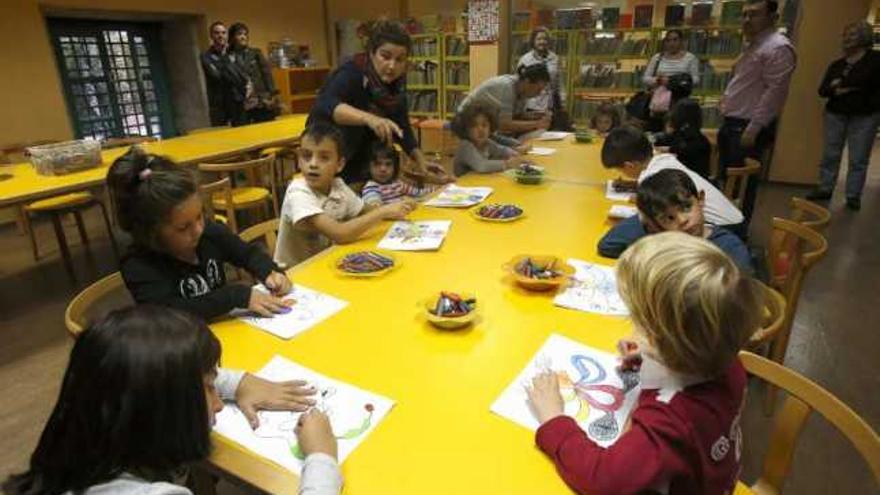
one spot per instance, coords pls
(441, 437)
(26, 185)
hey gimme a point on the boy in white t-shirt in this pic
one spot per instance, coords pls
(319, 209)
(626, 148)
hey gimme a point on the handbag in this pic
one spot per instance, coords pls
(639, 106)
(661, 99)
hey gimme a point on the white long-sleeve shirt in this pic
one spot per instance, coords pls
(687, 63)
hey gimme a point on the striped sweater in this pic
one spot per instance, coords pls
(375, 193)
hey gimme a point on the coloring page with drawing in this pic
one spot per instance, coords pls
(453, 196)
(598, 396)
(592, 288)
(353, 413)
(415, 236)
(309, 308)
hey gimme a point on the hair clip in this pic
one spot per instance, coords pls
(145, 173)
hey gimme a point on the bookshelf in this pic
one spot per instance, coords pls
(423, 81)
(456, 71)
(298, 87)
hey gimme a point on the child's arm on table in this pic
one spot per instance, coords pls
(351, 230)
(252, 393)
(320, 474)
(250, 257)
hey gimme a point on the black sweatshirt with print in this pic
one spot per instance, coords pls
(157, 278)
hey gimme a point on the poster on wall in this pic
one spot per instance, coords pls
(483, 21)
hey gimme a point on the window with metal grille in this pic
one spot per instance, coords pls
(113, 78)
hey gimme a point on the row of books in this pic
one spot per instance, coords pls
(422, 73)
(607, 76)
(456, 46)
(454, 99)
(421, 101)
(458, 73)
(720, 43)
(583, 110)
(424, 47)
(618, 45)
(642, 16)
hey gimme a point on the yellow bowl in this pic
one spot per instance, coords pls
(475, 212)
(337, 264)
(536, 284)
(449, 322)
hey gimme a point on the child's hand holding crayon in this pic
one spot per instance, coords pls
(267, 305)
(278, 283)
(630, 355)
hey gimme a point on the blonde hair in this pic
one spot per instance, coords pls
(690, 300)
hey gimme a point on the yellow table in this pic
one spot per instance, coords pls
(441, 437)
(26, 185)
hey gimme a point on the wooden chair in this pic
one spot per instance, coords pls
(802, 248)
(804, 397)
(737, 178)
(268, 230)
(95, 301)
(223, 188)
(281, 155)
(810, 214)
(772, 319)
(712, 136)
(247, 197)
(17, 153)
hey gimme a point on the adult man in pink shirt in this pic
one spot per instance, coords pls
(755, 95)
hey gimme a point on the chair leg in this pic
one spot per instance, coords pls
(109, 226)
(81, 227)
(23, 222)
(62, 245)
(29, 228)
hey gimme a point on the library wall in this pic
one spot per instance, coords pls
(32, 101)
(800, 141)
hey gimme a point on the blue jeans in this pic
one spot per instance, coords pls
(858, 133)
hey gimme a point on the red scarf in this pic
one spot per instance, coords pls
(385, 98)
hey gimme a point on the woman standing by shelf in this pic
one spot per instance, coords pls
(670, 76)
(552, 99)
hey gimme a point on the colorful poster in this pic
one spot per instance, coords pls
(354, 413)
(483, 21)
(597, 395)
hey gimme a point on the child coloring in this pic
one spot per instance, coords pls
(477, 150)
(385, 185)
(692, 310)
(177, 256)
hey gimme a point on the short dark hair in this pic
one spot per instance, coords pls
(669, 188)
(215, 24)
(679, 32)
(533, 73)
(132, 400)
(383, 31)
(464, 120)
(607, 109)
(319, 131)
(686, 114)
(625, 144)
(145, 189)
(772, 5)
(380, 151)
(534, 34)
(236, 28)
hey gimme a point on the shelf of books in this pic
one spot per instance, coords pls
(438, 77)
(607, 60)
(456, 71)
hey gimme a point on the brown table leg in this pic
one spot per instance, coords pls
(62, 245)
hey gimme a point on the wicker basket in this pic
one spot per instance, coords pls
(66, 157)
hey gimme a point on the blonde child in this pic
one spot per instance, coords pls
(477, 151)
(385, 185)
(319, 209)
(692, 310)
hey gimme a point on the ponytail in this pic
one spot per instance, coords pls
(145, 188)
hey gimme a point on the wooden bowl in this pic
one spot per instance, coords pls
(536, 284)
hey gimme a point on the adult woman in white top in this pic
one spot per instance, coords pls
(553, 96)
(672, 60)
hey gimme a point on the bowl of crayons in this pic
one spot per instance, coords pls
(498, 212)
(451, 310)
(528, 173)
(585, 136)
(539, 273)
(365, 263)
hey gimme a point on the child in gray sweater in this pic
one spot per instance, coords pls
(477, 151)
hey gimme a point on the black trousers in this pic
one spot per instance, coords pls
(731, 153)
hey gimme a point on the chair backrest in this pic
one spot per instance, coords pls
(772, 319)
(95, 301)
(804, 397)
(260, 172)
(712, 136)
(810, 214)
(268, 230)
(111, 143)
(224, 187)
(737, 177)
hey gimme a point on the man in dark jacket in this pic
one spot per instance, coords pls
(226, 84)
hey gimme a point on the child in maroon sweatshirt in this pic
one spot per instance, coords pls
(692, 310)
